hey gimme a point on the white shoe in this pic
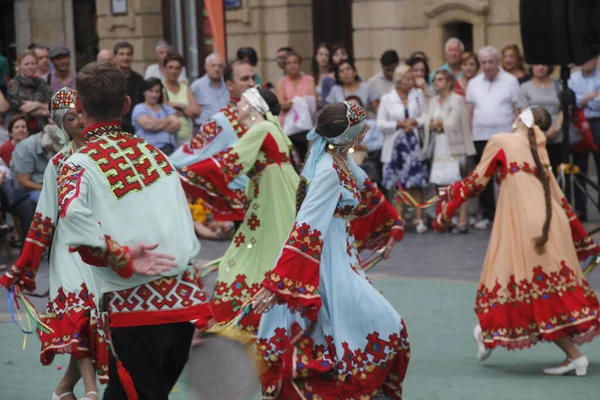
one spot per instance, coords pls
(421, 227)
(579, 365)
(57, 397)
(95, 394)
(483, 224)
(482, 352)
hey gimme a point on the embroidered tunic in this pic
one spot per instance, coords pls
(262, 154)
(74, 295)
(119, 191)
(336, 336)
(524, 297)
(222, 131)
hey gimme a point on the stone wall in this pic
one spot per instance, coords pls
(142, 27)
(268, 25)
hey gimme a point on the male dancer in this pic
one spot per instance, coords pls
(120, 199)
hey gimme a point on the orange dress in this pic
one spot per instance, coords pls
(524, 297)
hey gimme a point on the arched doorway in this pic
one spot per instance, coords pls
(461, 30)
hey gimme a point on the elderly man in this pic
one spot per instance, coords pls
(62, 75)
(105, 55)
(492, 107)
(453, 49)
(210, 91)
(158, 70)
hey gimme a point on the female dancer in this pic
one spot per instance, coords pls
(531, 287)
(334, 336)
(72, 311)
(263, 153)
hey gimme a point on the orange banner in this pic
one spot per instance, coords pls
(215, 11)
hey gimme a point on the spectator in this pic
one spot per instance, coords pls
(163, 49)
(30, 158)
(401, 112)
(62, 76)
(421, 55)
(469, 66)
(383, 82)
(179, 96)
(543, 91)
(249, 56)
(513, 63)
(367, 153)
(43, 68)
(322, 69)
(105, 55)
(282, 54)
(17, 128)
(450, 139)
(339, 53)
(4, 105)
(154, 121)
(347, 83)
(29, 95)
(294, 84)
(123, 52)
(210, 91)
(420, 72)
(586, 85)
(491, 107)
(453, 50)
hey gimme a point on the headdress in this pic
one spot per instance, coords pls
(60, 104)
(527, 117)
(256, 100)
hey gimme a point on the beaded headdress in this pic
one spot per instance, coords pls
(60, 104)
(357, 117)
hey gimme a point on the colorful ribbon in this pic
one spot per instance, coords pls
(15, 298)
(590, 264)
(401, 195)
(210, 267)
(373, 259)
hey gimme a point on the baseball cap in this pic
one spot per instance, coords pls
(58, 50)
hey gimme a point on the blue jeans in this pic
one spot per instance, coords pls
(582, 161)
(34, 195)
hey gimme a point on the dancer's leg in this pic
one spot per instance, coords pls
(88, 373)
(69, 380)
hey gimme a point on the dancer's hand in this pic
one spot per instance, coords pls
(263, 301)
(150, 263)
(389, 246)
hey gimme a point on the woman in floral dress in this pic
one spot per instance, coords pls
(263, 154)
(328, 333)
(531, 286)
(72, 311)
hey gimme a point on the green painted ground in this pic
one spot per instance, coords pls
(440, 321)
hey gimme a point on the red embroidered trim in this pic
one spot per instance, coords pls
(228, 299)
(68, 183)
(547, 307)
(114, 256)
(41, 230)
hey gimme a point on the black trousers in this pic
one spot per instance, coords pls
(486, 199)
(154, 356)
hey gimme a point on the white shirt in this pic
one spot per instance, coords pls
(493, 104)
(154, 72)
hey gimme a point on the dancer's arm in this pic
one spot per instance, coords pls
(584, 244)
(493, 157)
(295, 278)
(209, 179)
(39, 236)
(375, 219)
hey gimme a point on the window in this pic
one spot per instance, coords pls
(461, 30)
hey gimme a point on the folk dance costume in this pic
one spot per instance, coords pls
(524, 296)
(335, 336)
(72, 312)
(112, 194)
(222, 131)
(263, 153)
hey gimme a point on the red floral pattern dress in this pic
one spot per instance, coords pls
(334, 336)
(525, 297)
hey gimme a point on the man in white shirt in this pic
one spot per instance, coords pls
(492, 107)
(157, 70)
(210, 91)
(383, 82)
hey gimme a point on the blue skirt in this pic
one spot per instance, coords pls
(407, 167)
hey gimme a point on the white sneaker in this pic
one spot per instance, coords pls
(482, 352)
(579, 365)
(483, 224)
(421, 227)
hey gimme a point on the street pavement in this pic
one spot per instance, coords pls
(431, 280)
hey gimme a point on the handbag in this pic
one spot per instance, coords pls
(580, 134)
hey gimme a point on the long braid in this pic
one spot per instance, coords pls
(301, 193)
(540, 242)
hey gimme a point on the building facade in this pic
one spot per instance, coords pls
(367, 27)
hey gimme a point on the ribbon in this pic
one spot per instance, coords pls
(590, 264)
(15, 299)
(373, 259)
(403, 196)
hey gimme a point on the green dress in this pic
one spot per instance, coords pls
(263, 154)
